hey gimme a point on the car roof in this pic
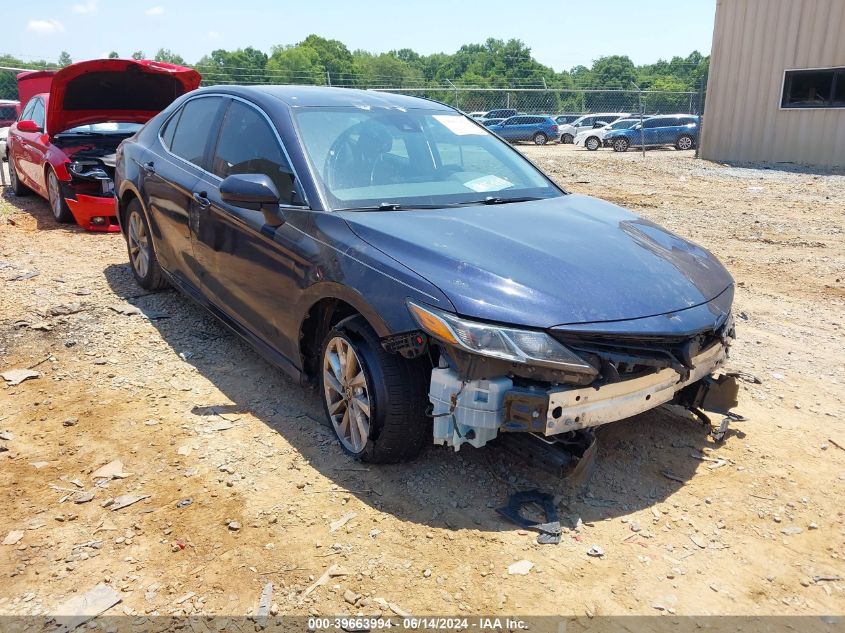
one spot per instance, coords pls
(315, 96)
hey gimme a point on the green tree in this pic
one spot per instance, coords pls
(614, 71)
(333, 57)
(138, 55)
(64, 59)
(114, 55)
(385, 71)
(295, 65)
(242, 66)
(166, 55)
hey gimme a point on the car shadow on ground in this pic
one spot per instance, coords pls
(38, 209)
(640, 462)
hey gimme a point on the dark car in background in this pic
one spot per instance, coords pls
(8, 112)
(538, 129)
(678, 130)
(400, 255)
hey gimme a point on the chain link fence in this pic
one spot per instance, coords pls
(561, 102)
(8, 84)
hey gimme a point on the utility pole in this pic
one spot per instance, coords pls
(640, 101)
(456, 93)
(328, 79)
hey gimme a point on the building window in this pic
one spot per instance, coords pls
(817, 88)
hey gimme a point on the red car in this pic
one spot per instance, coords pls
(64, 142)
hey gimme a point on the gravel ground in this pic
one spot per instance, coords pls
(239, 484)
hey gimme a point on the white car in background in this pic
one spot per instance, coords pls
(4, 134)
(593, 138)
(587, 122)
(478, 114)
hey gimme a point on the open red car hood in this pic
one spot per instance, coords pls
(120, 90)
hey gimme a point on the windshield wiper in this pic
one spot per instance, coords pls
(395, 206)
(498, 200)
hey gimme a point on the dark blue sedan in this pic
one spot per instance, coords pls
(416, 267)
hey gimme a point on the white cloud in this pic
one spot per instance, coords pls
(86, 7)
(213, 35)
(154, 11)
(45, 27)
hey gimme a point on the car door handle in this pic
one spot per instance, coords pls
(150, 167)
(201, 199)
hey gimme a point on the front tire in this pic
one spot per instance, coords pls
(57, 201)
(592, 143)
(18, 188)
(540, 139)
(142, 257)
(620, 145)
(684, 142)
(567, 139)
(374, 400)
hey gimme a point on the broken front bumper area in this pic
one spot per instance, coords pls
(475, 411)
(93, 210)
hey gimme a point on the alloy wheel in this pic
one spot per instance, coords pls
(139, 245)
(620, 145)
(55, 195)
(592, 143)
(347, 394)
(685, 142)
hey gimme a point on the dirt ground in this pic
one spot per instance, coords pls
(242, 484)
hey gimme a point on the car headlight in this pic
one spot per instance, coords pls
(516, 345)
(87, 170)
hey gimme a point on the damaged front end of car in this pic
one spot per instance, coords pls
(489, 379)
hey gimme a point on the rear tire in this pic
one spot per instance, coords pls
(540, 139)
(393, 389)
(620, 144)
(57, 201)
(567, 139)
(139, 243)
(684, 142)
(18, 188)
(592, 143)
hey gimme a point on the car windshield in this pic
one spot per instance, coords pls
(391, 158)
(105, 128)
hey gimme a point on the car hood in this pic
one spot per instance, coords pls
(566, 260)
(120, 90)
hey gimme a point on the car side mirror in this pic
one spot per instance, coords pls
(253, 191)
(27, 125)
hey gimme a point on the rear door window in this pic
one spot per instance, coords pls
(27, 111)
(169, 130)
(248, 145)
(193, 129)
(38, 113)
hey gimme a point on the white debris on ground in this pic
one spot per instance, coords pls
(275, 502)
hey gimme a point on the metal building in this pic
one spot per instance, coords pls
(776, 90)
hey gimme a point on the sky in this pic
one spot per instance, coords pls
(561, 34)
